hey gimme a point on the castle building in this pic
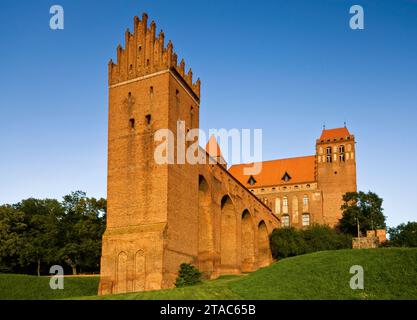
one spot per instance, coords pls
(160, 215)
(163, 214)
(306, 190)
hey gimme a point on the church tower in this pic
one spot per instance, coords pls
(336, 171)
(143, 244)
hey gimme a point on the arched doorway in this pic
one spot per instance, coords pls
(205, 229)
(264, 251)
(228, 237)
(247, 243)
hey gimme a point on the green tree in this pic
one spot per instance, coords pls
(404, 235)
(12, 226)
(365, 208)
(82, 227)
(41, 235)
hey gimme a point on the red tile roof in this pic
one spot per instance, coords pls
(334, 133)
(301, 170)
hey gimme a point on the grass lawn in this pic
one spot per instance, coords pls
(24, 287)
(389, 273)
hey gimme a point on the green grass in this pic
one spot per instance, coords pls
(24, 287)
(389, 273)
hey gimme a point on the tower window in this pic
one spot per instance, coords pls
(177, 98)
(342, 153)
(148, 119)
(151, 90)
(147, 62)
(132, 123)
(329, 154)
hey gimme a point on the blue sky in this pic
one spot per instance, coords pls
(284, 66)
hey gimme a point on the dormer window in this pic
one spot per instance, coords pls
(286, 177)
(251, 181)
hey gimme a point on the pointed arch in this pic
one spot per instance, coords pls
(228, 237)
(205, 228)
(247, 242)
(264, 251)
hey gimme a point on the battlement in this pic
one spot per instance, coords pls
(145, 53)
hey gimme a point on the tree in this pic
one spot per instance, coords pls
(404, 235)
(12, 226)
(40, 236)
(82, 227)
(365, 208)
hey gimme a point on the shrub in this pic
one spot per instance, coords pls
(188, 275)
(287, 242)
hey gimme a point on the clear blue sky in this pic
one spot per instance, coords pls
(284, 66)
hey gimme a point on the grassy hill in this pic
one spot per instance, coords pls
(389, 273)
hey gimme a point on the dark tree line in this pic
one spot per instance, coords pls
(38, 233)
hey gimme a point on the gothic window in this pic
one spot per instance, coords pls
(305, 200)
(305, 219)
(329, 154)
(286, 177)
(251, 181)
(285, 205)
(277, 205)
(342, 153)
(285, 220)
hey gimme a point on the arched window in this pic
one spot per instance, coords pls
(285, 221)
(329, 154)
(306, 219)
(305, 200)
(285, 205)
(342, 153)
(277, 205)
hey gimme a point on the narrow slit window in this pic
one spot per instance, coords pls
(132, 123)
(148, 119)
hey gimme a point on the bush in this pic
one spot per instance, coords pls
(188, 275)
(287, 242)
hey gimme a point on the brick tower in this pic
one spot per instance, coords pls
(143, 244)
(336, 170)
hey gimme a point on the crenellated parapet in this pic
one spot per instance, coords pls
(145, 53)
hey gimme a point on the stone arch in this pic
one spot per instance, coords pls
(247, 243)
(264, 251)
(140, 271)
(228, 237)
(121, 272)
(205, 228)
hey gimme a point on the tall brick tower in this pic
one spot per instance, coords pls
(336, 170)
(143, 244)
